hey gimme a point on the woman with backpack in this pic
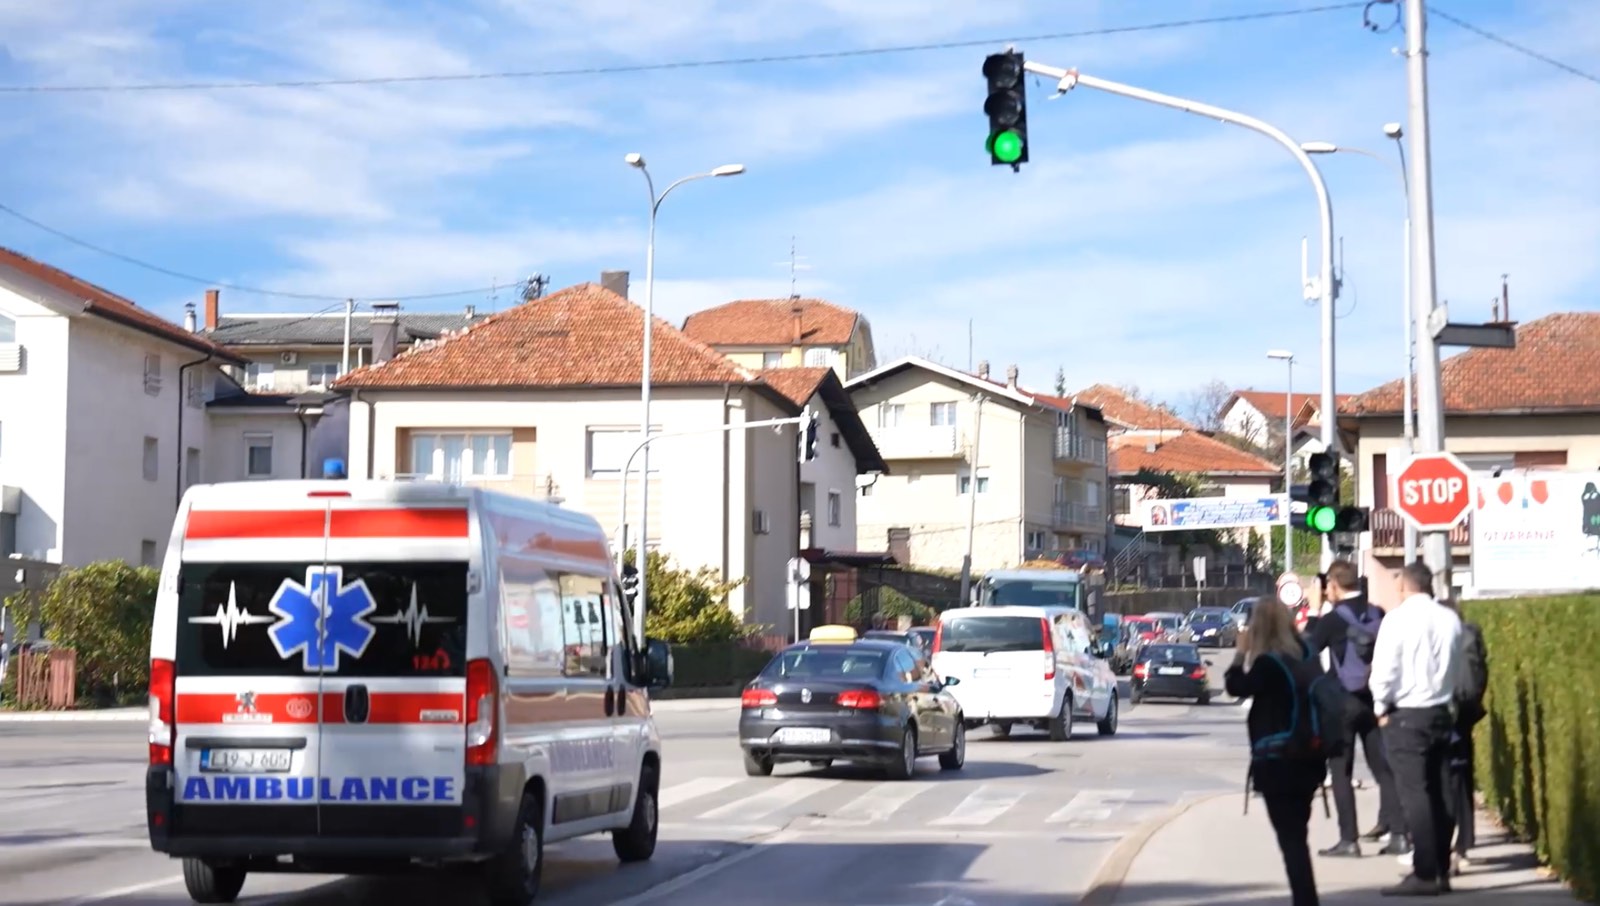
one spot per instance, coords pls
(1273, 667)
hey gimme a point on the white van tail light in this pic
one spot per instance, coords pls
(483, 706)
(1049, 650)
(163, 699)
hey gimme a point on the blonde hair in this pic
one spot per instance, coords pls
(1271, 632)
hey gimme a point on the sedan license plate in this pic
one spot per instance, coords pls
(245, 761)
(1170, 671)
(802, 736)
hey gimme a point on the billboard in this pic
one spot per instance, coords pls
(1191, 513)
(1536, 530)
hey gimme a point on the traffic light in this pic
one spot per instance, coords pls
(1353, 520)
(1007, 108)
(1320, 495)
(808, 440)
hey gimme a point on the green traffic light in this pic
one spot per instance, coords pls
(1322, 518)
(1007, 146)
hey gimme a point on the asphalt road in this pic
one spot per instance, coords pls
(1027, 822)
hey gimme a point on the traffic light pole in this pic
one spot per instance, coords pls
(1324, 287)
(627, 470)
(1424, 283)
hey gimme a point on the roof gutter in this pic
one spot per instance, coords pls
(183, 400)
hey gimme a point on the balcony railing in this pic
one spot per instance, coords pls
(1079, 514)
(1073, 445)
(1389, 531)
(917, 441)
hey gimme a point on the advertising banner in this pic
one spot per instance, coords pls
(1536, 530)
(1213, 513)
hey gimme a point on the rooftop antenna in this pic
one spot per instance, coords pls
(533, 287)
(795, 267)
(494, 294)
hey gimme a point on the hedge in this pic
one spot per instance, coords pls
(701, 665)
(1538, 761)
(103, 611)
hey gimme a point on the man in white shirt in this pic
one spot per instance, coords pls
(1414, 664)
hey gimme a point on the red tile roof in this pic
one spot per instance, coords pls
(771, 322)
(581, 336)
(1554, 367)
(1270, 402)
(1119, 407)
(798, 384)
(801, 385)
(110, 306)
(1190, 452)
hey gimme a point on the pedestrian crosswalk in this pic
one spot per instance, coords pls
(942, 804)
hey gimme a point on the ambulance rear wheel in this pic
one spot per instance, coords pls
(210, 883)
(512, 876)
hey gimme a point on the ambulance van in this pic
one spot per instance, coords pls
(354, 677)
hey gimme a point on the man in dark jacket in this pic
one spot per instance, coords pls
(1347, 631)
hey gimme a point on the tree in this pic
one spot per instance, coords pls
(103, 612)
(912, 347)
(891, 603)
(1203, 405)
(684, 606)
(1061, 381)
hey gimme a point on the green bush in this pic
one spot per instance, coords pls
(1538, 751)
(103, 612)
(892, 603)
(684, 606)
(699, 665)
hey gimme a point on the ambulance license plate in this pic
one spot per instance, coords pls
(245, 761)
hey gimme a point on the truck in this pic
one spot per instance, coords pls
(1043, 583)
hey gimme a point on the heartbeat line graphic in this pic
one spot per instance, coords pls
(413, 618)
(231, 616)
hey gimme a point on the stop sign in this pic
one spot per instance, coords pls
(1433, 492)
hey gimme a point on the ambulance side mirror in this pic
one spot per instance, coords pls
(657, 664)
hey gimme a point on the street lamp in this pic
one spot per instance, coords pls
(637, 162)
(1288, 456)
(1394, 132)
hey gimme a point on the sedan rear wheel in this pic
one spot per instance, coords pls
(757, 765)
(906, 765)
(957, 755)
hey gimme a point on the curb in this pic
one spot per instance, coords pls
(1107, 883)
(110, 715)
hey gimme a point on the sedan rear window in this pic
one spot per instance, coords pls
(993, 634)
(1172, 653)
(822, 663)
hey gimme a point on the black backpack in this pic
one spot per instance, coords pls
(1472, 678)
(1319, 715)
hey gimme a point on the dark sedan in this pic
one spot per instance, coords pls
(866, 701)
(1170, 671)
(1212, 627)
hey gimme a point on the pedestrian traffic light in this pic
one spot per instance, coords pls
(1007, 109)
(808, 439)
(1320, 495)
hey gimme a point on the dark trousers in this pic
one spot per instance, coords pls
(1419, 750)
(1340, 772)
(1463, 807)
(1290, 814)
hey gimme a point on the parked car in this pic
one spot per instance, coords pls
(1241, 611)
(1170, 671)
(1210, 627)
(1167, 624)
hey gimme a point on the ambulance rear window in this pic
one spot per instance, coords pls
(264, 619)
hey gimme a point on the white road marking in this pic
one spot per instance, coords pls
(679, 793)
(983, 806)
(780, 796)
(692, 878)
(1091, 805)
(115, 892)
(880, 802)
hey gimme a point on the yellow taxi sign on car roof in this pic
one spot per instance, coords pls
(832, 634)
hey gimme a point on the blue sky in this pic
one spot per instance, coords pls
(1141, 245)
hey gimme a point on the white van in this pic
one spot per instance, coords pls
(1026, 665)
(356, 677)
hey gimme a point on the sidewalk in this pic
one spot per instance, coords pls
(1213, 853)
(128, 715)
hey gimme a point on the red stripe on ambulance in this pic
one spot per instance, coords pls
(300, 708)
(379, 523)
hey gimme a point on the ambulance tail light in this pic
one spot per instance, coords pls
(163, 699)
(483, 707)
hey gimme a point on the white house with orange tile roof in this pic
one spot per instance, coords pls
(787, 333)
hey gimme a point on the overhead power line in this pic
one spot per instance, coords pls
(1507, 42)
(679, 64)
(234, 287)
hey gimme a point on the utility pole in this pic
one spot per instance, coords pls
(349, 315)
(972, 500)
(1424, 280)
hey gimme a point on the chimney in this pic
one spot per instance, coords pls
(188, 317)
(797, 311)
(472, 312)
(1011, 376)
(385, 330)
(1505, 297)
(213, 307)
(616, 281)
(983, 369)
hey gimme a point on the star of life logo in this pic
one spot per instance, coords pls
(322, 619)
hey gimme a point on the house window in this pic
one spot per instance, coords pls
(941, 413)
(152, 375)
(258, 455)
(835, 508)
(461, 457)
(1122, 500)
(321, 374)
(891, 415)
(258, 376)
(147, 553)
(759, 523)
(8, 330)
(193, 390)
(819, 358)
(609, 450)
(866, 489)
(1091, 493)
(1036, 540)
(191, 467)
(772, 360)
(964, 481)
(152, 459)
